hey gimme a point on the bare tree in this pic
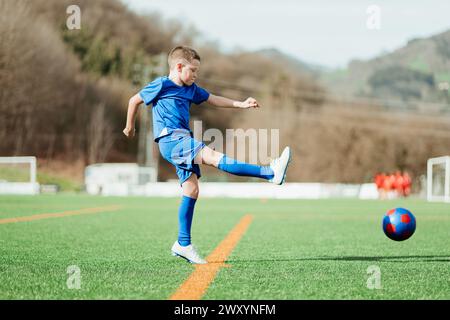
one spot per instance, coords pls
(100, 138)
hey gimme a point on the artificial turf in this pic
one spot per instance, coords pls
(293, 249)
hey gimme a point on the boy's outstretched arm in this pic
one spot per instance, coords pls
(133, 105)
(223, 102)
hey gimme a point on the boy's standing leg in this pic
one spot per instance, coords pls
(183, 247)
(186, 210)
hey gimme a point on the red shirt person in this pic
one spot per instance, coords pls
(399, 183)
(406, 184)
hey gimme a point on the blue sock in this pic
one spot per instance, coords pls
(244, 169)
(185, 215)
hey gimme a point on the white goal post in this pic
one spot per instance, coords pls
(18, 175)
(438, 179)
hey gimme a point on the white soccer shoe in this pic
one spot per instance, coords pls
(279, 166)
(189, 253)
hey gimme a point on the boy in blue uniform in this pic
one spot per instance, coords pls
(171, 97)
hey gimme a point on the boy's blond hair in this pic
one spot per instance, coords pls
(182, 53)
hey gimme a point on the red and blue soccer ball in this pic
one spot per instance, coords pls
(399, 224)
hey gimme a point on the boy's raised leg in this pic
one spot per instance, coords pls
(274, 173)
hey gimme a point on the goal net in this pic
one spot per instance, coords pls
(438, 179)
(18, 175)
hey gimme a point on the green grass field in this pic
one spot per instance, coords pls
(293, 249)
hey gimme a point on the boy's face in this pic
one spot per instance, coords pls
(189, 72)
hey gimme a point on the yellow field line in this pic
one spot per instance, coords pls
(198, 282)
(60, 214)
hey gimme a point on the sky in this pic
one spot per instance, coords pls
(323, 32)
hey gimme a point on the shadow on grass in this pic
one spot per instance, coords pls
(433, 258)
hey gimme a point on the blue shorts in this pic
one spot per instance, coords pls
(180, 149)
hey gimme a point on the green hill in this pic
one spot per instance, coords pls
(417, 73)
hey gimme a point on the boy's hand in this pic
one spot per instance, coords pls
(129, 132)
(250, 103)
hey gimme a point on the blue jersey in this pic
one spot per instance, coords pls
(171, 104)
